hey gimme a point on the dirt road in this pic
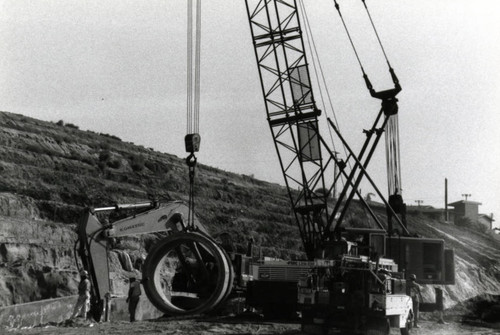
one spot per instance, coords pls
(222, 327)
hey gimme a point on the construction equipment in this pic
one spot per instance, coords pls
(357, 282)
(187, 272)
(354, 279)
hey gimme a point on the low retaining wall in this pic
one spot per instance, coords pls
(38, 312)
(58, 310)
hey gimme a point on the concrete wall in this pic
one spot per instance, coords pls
(60, 309)
(39, 312)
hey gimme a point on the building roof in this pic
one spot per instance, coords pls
(463, 202)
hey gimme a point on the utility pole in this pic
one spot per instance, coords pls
(446, 216)
(466, 196)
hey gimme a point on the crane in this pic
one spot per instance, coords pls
(357, 284)
(189, 272)
(306, 159)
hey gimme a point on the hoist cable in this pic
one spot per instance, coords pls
(337, 6)
(393, 155)
(193, 97)
(193, 66)
(392, 129)
(197, 68)
(376, 33)
(314, 52)
(315, 59)
(189, 69)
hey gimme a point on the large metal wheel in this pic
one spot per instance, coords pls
(187, 273)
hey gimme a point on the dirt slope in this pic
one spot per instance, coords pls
(62, 169)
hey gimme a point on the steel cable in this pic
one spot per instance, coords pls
(376, 33)
(189, 69)
(193, 66)
(197, 69)
(315, 58)
(337, 6)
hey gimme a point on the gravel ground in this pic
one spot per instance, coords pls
(220, 326)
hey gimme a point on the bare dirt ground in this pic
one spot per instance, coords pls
(223, 326)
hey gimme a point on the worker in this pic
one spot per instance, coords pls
(83, 302)
(134, 294)
(414, 291)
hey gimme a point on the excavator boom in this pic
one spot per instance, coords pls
(187, 252)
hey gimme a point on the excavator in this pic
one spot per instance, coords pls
(186, 272)
(354, 279)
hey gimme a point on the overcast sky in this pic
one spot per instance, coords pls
(119, 67)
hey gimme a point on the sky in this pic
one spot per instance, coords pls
(119, 67)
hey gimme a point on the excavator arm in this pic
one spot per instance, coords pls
(196, 255)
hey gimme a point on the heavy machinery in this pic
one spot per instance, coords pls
(186, 272)
(357, 282)
(354, 279)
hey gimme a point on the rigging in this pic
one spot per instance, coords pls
(192, 138)
(391, 127)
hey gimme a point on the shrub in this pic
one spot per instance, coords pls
(115, 164)
(480, 227)
(58, 138)
(137, 163)
(104, 146)
(104, 156)
(71, 125)
(111, 136)
(463, 222)
(101, 165)
(156, 167)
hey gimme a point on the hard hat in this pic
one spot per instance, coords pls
(84, 273)
(413, 276)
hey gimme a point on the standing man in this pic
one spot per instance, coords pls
(413, 290)
(83, 302)
(134, 294)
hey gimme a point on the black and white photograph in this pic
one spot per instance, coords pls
(250, 167)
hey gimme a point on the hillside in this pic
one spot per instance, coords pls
(51, 171)
(61, 170)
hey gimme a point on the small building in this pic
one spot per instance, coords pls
(486, 220)
(465, 209)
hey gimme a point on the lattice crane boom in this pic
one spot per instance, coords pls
(291, 111)
(305, 157)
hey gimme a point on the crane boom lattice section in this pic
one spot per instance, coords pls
(291, 112)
